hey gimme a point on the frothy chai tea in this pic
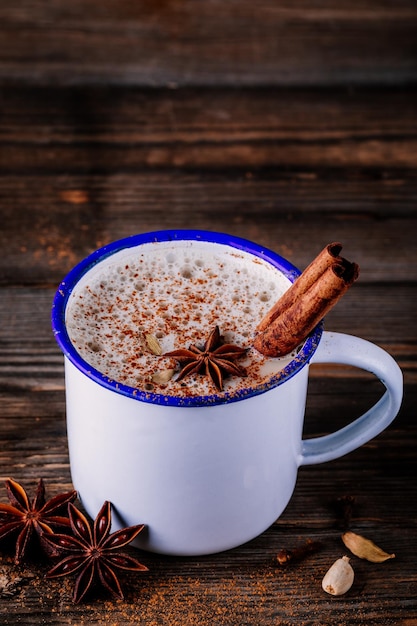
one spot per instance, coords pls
(176, 292)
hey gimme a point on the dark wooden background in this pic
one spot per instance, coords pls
(289, 123)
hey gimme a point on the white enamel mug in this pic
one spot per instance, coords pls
(209, 473)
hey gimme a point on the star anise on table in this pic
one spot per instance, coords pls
(215, 359)
(94, 553)
(27, 517)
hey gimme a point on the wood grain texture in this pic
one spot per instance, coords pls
(85, 166)
(56, 233)
(118, 129)
(181, 42)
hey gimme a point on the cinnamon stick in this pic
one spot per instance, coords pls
(328, 256)
(295, 315)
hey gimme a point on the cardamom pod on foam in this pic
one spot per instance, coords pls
(339, 578)
(365, 548)
(163, 376)
(153, 344)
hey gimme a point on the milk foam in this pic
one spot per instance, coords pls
(176, 291)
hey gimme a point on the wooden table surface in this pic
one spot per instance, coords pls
(289, 123)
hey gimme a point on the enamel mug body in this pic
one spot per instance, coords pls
(210, 474)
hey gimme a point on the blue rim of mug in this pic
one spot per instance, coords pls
(302, 357)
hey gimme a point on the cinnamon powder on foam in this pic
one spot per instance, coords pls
(176, 291)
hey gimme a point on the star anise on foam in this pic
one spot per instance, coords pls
(215, 359)
(27, 517)
(94, 553)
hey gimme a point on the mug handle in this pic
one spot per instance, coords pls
(350, 350)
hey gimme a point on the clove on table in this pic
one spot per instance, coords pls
(298, 553)
(344, 507)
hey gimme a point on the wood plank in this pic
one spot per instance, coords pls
(206, 43)
(213, 592)
(252, 591)
(50, 223)
(101, 130)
